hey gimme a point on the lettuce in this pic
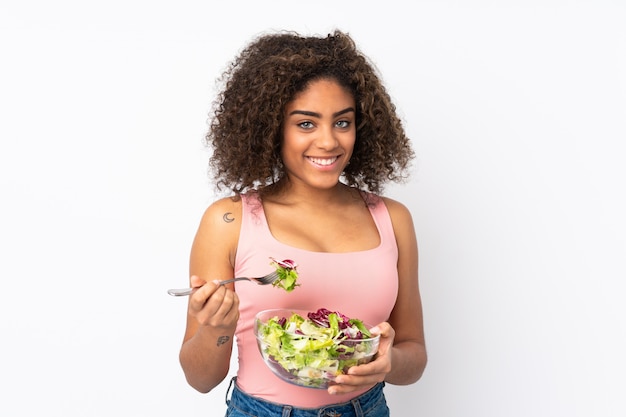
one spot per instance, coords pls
(315, 348)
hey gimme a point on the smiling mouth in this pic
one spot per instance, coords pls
(323, 161)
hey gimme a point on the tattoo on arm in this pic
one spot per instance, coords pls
(222, 339)
(228, 218)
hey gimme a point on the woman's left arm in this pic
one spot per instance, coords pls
(408, 352)
(401, 357)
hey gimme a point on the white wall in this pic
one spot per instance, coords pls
(517, 111)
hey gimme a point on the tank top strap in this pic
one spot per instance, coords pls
(380, 214)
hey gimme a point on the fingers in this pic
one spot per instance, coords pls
(198, 299)
(387, 335)
(367, 375)
(223, 303)
(214, 305)
(360, 377)
(344, 388)
(383, 329)
(196, 281)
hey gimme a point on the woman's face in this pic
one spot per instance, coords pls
(318, 134)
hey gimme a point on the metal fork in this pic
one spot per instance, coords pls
(264, 280)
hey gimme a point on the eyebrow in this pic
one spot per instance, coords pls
(314, 114)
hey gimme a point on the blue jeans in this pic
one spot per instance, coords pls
(369, 404)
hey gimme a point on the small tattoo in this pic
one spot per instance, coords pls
(222, 339)
(227, 218)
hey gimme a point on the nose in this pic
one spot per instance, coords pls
(326, 139)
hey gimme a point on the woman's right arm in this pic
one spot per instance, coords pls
(212, 312)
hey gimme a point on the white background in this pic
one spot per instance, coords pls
(517, 110)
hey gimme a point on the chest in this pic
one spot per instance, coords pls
(347, 229)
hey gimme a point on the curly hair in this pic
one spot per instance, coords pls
(245, 132)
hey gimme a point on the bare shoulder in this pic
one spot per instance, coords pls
(400, 214)
(218, 232)
(402, 222)
(222, 213)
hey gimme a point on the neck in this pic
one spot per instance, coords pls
(288, 192)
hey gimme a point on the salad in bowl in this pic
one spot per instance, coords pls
(311, 348)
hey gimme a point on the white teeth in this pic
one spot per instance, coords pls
(323, 161)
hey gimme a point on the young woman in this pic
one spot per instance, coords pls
(305, 136)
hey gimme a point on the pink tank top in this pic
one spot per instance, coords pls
(362, 285)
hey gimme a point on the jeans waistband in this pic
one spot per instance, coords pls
(356, 407)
